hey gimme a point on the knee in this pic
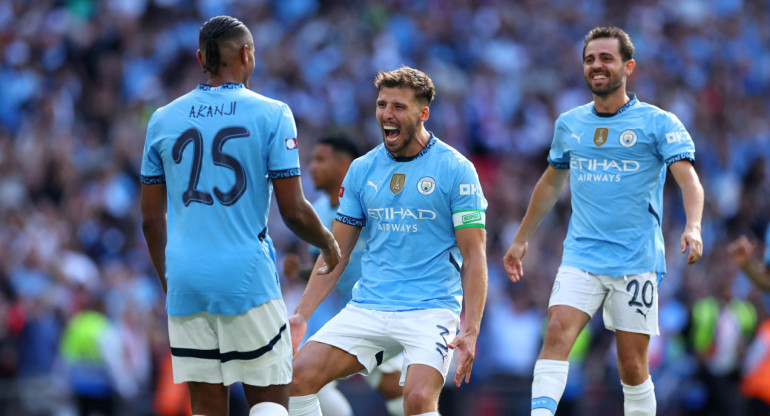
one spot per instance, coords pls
(418, 399)
(633, 370)
(303, 381)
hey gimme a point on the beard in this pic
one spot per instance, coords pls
(407, 134)
(613, 83)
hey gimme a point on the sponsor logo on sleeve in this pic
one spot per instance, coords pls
(342, 191)
(291, 144)
(677, 136)
(470, 189)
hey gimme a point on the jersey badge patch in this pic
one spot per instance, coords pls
(397, 182)
(291, 144)
(628, 138)
(600, 136)
(426, 185)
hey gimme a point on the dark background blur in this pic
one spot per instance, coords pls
(79, 79)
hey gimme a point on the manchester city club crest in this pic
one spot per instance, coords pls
(426, 185)
(600, 136)
(397, 182)
(628, 138)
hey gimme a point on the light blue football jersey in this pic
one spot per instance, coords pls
(617, 169)
(412, 207)
(216, 149)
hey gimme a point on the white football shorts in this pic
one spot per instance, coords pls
(630, 302)
(253, 347)
(393, 365)
(374, 337)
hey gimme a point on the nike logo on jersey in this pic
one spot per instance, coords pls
(575, 136)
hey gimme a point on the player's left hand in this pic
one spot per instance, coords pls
(465, 344)
(297, 328)
(691, 238)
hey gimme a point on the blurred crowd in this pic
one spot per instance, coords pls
(82, 318)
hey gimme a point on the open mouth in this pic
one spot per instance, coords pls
(391, 133)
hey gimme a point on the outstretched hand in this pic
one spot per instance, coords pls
(512, 261)
(297, 327)
(465, 344)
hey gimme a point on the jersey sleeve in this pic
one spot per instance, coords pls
(673, 140)
(350, 210)
(559, 156)
(152, 165)
(283, 156)
(467, 200)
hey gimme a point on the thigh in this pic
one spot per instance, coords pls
(425, 335)
(317, 364)
(361, 333)
(632, 304)
(579, 289)
(422, 388)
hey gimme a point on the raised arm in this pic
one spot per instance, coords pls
(692, 198)
(300, 217)
(742, 251)
(153, 202)
(547, 191)
(473, 247)
(322, 281)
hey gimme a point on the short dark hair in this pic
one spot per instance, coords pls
(341, 144)
(406, 77)
(216, 29)
(624, 41)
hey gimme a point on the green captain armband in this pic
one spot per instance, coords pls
(469, 218)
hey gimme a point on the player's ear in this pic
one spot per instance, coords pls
(200, 58)
(630, 65)
(424, 114)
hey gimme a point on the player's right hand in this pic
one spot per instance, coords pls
(512, 260)
(741, 250)
(331, 259)
(297, 328)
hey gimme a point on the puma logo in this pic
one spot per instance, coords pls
(443, 349)
(373, 185)
(639, 311)
(577, 137)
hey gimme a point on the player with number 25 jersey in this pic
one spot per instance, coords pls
(210, 146)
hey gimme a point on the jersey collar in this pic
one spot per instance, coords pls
(631, 102)
(431, 142)
(225, 86)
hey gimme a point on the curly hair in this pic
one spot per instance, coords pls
(406, 77)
